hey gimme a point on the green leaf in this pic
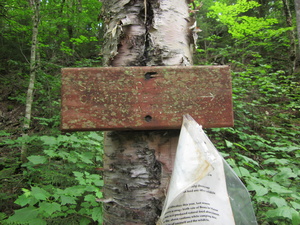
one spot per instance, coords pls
(79, 177)
(91, 188)
(295, 217)
(229, 144)
(22, 200)
(24, 215)
(259, 189)
(97, 214)
(99, 194)
(39, 193)
(277, 188)
(278, 201)
(90, 198)
(37, 159)
(287, 149)
(285, 173)
(37, 221)
(85, 157)
(85, 206)
(84, 221)
(67, 200)
(242, 147)
(284, 211)
(96, 136)
(99, 183)
(48, 140)
(242, 172)
(231, 162)
(247, 159)
(49, 207)
(77, 190)
(277, 161)
(200, 50)
(4, 133)
(295, 205)
(78, 174)
(2, 216)
(50, 152)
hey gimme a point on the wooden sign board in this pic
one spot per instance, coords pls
(145, 98)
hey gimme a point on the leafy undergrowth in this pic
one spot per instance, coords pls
(58, 185)
(264, 146)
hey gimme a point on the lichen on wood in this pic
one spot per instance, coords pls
(145, 98)
(139, 164)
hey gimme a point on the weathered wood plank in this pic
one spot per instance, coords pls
(145, 98)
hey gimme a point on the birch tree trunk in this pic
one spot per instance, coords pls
(138, 164)
(289, 21)
(35, 5)
(297, 9)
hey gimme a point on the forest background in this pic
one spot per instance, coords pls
(49, 177)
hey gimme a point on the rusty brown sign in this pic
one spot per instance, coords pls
(145, 98)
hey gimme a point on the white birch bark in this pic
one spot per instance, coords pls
(35, 5)
(138, 164)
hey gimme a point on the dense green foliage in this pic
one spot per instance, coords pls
(263, 147)
(62, 185)
(61, 182)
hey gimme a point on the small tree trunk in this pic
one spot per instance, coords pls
(289, 21)
(138, 164)
(297, 9)
(35, 5)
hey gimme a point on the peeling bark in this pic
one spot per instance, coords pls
(147, 33)
(169, 34)
(137, 171)
(138, 164)
(125, 33)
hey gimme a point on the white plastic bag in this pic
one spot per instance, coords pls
(198, 190)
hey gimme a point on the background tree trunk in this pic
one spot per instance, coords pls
(138, 164)
(297, 8)
(289, 21)
(35, 5)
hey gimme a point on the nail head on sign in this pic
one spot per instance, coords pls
(149, 75)
(148, 118)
